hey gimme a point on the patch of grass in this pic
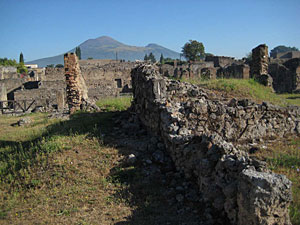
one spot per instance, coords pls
(247, 88)
(284, 158)
(114, 104)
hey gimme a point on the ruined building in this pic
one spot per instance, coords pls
(200, 134)
(47, 86)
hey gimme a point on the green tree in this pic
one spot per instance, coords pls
(59, 66)
(89, 58)
(193, 50)
(146, 57)
(50, 65)
(151, 57)
(282, 48)
(21, 60)
(21, 68)
(78, 52)
(8, 62)
(161, 59)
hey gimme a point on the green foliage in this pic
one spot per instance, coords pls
(162, 60)
(89, 58)
(146, 57)
(282, 48)
(193, 50)
(151, 57)
(59, 66)
(21, 59)
(50, 65)
(22, 69)
(8, 62)
(78, 52)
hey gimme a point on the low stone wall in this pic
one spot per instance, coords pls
(199, 133)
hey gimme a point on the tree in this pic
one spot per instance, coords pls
(151, 57)
(161, 59)
(89, 58)
(59, 66)
(21, 60)
(50, 65)
(193, 50)
(78, 52)
(282, 48)
(21, 68)
(146, 57)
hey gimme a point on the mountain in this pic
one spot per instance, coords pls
(106, 48)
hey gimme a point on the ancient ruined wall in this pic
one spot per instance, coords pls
(76, 87)
(286, 55)
(286, 76)
(8, 72)
(241, 71)
(199, 133)
(220, 61)
(260, 61)
(53, 74)
(107, 80)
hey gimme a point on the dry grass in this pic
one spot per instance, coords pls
(284, 158)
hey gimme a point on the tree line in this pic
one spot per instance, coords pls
(12, 62)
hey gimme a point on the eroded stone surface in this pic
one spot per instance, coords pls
(199, 134)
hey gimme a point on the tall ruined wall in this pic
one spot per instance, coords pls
(76, 87)
(260, 61)
(199, 134)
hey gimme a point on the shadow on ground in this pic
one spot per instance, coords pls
(154, 190)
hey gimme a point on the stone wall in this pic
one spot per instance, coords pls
(260, 61)
(286, 76)
(238, 71)
(199, 133)
(76, 87)
(286, 55)
(220, 61)
(8, 72)
(109, 79)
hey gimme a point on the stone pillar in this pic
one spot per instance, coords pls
(260, 64)
(260, 61)
(76, 87)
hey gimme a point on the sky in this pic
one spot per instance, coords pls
(44, 28)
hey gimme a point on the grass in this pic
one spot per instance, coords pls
(114, 104)
(54, 171)
(284, 158)
(61, 172)
(247, 88)
(65, 174)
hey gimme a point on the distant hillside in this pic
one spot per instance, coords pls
(105, 48)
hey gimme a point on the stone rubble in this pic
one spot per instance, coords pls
(199, 134)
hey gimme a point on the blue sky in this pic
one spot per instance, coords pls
(42, 28)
